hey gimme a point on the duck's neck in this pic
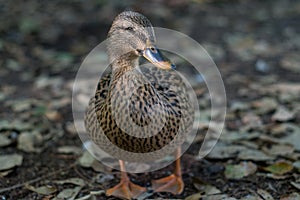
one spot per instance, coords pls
(124, 64)
(123, 79)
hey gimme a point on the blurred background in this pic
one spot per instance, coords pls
(255, 45)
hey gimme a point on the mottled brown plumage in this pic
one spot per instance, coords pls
(145, 95)
(150, 103)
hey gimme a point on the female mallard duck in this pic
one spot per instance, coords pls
(126, 95)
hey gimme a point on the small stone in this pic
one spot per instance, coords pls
(262, 66)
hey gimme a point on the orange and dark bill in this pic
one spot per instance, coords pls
(153, 55)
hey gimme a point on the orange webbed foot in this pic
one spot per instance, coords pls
(172, 184)
(126, 190)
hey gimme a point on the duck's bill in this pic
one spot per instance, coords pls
(154, 56)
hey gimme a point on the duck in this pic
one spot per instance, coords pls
(139, 99)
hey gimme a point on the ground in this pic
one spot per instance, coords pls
(255, 45)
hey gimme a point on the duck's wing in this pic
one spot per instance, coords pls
(97, 103)
(175, 90)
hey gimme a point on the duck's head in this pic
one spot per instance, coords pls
(131, 36)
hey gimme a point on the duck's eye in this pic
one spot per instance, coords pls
(129, 28)
(153, 49)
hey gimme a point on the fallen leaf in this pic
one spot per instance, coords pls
(69, 150)
(253, 154)
(238, 136)
(249, 144)
(282, 115)
(293, 196)
(239, 106)
(70, 127)
(297, 165)
(264, 194)
(92, 194)
(252, 120)
(265, 105)
(224, 150)
(28, 140)
(291, 62)
(227, 150)
(293, 88)
(241, 170)
(20, 105)
(276, 177)
(45, 190)
(4, 140)
(296, 185)
(46, 81)
(102, 178)
(86, 160)
(13, 65)
(10, 161)
(209, 193)
(279, 168)
(14, 125)
(250, 197)
(293, 137)
(53, 115)
(69, 193)
(280, 149)
(278, 129)
(98, 166)
(196, 196)
(75, 181)
(5, 173)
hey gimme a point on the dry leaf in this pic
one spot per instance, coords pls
(45, 190)
(4, 140)
(296, 185)
(69, 193)
(53, 115)
(291, 62)
(5, 173)
(69, 150)
(279, 168)
(28, 140)
(280, 149)
(265, 105)
(196, 196)
(75, 181)
(264, 194)
(293, 196)
(10, 161)
(297, 165)
(241, 170)
(86, 160)
(282, 115)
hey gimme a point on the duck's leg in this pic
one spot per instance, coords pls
(172, 183)
(125, 189)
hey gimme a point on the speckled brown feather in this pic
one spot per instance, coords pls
(141, 94)
(143, 99)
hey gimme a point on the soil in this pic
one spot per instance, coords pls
(72, 29)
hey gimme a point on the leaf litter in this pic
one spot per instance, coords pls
(241, 170)
(261, 138)
(10, 160)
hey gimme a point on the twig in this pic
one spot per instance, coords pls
(35, 180)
